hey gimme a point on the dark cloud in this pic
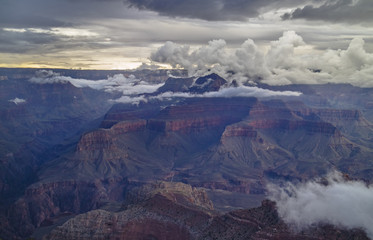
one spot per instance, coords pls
(359, 11)
(21, 42)
(212, 10)
(10, 20)
(21, 14)
(57, 13)
(72, 30)
(32, 40)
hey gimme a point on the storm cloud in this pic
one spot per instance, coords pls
(121, 34)
(333, 200)
(213, 10)
(351, 11)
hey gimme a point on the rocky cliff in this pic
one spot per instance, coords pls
(167, 213)
(161, 210)
(42, 202)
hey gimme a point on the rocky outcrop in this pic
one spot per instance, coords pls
(264, 223)
(176, 85)
(208, 83)
(103, 139)
(175, 191)
(124, 113)
(332, 115)
(288, 125)
(162, 218)
(197, 115)
(240, 130)
(134, 224)
(47, 200)
(187, 125)
(162, 210)
(100, 139)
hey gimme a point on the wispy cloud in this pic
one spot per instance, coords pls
(117, 83)
(240, 91)
(71, 32)
(17, 100)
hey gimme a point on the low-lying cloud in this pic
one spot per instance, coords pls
(241, 91)
(17, 101)
(334, 200)
(286, 62)
(117, 83)
(135, 91)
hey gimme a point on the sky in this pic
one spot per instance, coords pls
(124, 34)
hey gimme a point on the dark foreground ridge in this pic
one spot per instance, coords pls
(165, 210)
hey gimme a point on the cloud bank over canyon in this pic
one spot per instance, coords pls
(287, 61)
(134, 90)
(333, 200)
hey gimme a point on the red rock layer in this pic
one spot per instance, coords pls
(240, 130)
(47, 200)
(104, 138)
(282, 124)
(187, 125)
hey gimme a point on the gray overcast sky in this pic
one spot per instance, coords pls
(112, 34)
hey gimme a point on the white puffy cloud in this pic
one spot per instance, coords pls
(285, 62)
(281, 52)
(353, 65)
(337, 201)
(17, 100)
(247, 60)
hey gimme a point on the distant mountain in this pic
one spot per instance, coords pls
(209, 83)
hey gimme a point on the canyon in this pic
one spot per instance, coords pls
(77, 165)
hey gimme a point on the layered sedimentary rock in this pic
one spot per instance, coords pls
(161, 210)
(208, 83)
(198, 116)
(168, 212)
(240, 130)
(104, 138)
(44, 201)
(264, 223)
(229, 145)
